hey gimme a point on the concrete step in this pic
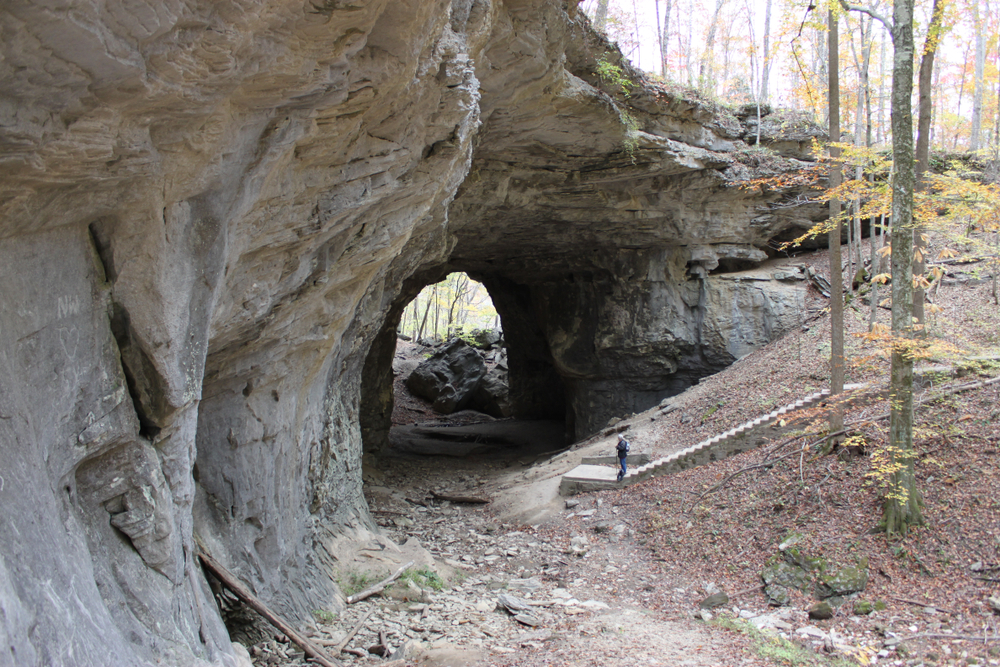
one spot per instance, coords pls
(589, 478)
(635, 459)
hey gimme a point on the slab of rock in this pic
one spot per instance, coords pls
(525, 618)
(513, 603)
(779, 577)
(843, 581)
(530, 584)
(771, 622)
(714, 600)
(812, 633)
(537, 636)
(821, 611)
(484, 339)
(594, 605)
(578, 545)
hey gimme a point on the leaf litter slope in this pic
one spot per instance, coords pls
(935, 583)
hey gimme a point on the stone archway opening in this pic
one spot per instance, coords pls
(406, 434)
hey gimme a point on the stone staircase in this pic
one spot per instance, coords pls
(734, 441)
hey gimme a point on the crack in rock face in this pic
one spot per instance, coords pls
(212, 217)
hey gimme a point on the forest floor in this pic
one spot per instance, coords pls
(617, 578)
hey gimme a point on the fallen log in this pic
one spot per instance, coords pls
(461, 499)
(927, 605)
(382, 648)
(377, 588)
(350, 635)
(229, 580)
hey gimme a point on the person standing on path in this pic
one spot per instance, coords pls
(622, 449)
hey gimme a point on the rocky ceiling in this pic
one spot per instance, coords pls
(211, 216)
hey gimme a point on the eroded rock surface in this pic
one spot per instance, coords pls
(211, 217)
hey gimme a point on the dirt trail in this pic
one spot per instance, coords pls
(592, 594)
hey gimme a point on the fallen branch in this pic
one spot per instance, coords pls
(933, 635)
(764, 464)
(961, 260)
(350, 635)
(746, 590)
(326, 643)
(377, 588)
(229, 580)
(382, 648)
(933, 397)
(461, 499)
(927, 605)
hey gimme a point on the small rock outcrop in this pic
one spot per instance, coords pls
(829, 583)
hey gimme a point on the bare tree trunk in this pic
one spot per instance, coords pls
(859, 140)
(665, 38)
(437, 309)
(868, 88)
(423, 322)
(880, 134)
(903, 504)
(924, 109)
(601, 17)
(961, 92)
(706, 77)
(836, 270)
(659, 38)
(996, 126)
(850, 250)
(755, 92)
(873, 315)
(719, 85)
(688, 65)
(461, 284)
(638, 51)
(765, 74)
(402, 321)
(996, 242)
(980, 86)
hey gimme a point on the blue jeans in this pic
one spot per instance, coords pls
(622, 460)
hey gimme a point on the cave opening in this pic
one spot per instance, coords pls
(488, 395)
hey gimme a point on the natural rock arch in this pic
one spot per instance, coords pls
(211, 210)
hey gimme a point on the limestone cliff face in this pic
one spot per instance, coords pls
(211, 216)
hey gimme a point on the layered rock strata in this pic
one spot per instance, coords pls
(212, 215)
